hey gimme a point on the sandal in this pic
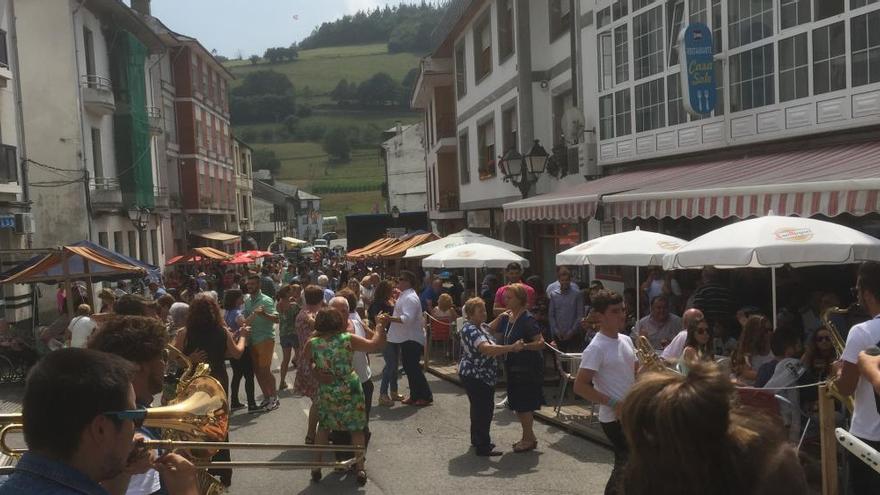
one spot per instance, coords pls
(316, 475)
(361, 477)
(520, 447)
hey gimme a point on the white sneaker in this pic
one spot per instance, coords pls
(273, 404)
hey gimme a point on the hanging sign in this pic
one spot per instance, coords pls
(697, 69)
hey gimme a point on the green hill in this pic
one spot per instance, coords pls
(345, 188)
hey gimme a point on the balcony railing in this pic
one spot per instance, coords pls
(97, 94)
(161, 198)
(106, 195)
(448, 201)
(8, 164)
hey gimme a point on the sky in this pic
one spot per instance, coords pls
(251, 26)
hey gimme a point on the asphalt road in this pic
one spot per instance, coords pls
(422, 451)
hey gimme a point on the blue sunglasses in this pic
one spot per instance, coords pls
(137, 416)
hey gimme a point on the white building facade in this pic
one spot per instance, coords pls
(404, 155)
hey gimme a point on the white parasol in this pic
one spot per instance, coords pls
(773, 241)
(476, 256)
(458, 239)
(631, 248)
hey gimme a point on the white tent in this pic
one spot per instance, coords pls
(476, 256)
(457, 239)
(631, 248)
(773, 241)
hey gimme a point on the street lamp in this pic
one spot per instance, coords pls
(523, 171)
(139, 217)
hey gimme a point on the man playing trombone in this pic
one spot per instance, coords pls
(78, 426)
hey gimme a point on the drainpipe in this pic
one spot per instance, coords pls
(525, 110)
(82, 134)
(19, 124)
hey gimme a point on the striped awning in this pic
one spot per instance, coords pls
(821, 181)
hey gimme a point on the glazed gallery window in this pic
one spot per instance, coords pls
(621, 55)
(483, 48)
(649, 105)
(606, 64)
(606, 117)
(751, 79)
(621, 8)
(674, 105)
(829, 58)
(865, 42)
(749, 21)
(793, 13)
(674, 16)
(794, 67)
(854, 4)
(648, 43)
(622, 112)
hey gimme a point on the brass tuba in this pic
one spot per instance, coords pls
(648, 357)
(838, 343)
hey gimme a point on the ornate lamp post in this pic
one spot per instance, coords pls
(523, 171)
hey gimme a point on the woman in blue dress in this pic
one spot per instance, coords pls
(477, 370)
(524, 370)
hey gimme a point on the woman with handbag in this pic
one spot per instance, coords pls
(524, 370)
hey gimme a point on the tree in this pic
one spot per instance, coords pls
(378, 90)
(263, 82)
(264, 159)
(291, 122)
(337, 145)
(274, 55)
(254, 59)
(292, 52)
(406, 86)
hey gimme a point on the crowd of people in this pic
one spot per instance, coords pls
(329, 320)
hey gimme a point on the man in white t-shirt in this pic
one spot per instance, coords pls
(81, 326)
(866, 419)
(608, 370)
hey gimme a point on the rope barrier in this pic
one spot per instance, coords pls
(793, 387)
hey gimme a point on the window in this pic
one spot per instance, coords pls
(828, 8)
(793, 68)
(460, 72)
(142, 242)
(639, 4)
(649, 105)
(509, 129)
(674, 15)
(506, 45)
(464, 167)
(620, 8)
(132, 244)
(154, 247)
(749, 21)
(717, 26)
(751, 79)
(699, 11)
(854, 4)
(560, 103)
(560, 18)
(97, 157)
(674, 105)
(103, 241)
(648, 43)
(4, 54)
(865, 48)
(793, 12)
(719, 88)
(606, 63)
(621, 55)
(622, 121)
(117, 242)
(829, 58)
(606, 117)
(89, 52)
(486, 149)
(482, 48)
(603, 18)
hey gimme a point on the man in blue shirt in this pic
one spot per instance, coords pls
(566, 313)
(88, 442)
(430, 294)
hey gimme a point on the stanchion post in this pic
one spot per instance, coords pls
(827, 442)
(427, 340)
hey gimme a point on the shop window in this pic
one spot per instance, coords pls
(483, 48)
(751, 79)
(829, 58)
(749, 21)
(865, 48)
(674, 105)
(606, 117)
(793, 13)
(793, 68)
(506, 45)
(486, 149)
(621, 54)
(606, 63)
(622, 113)
(648, 43)
(649, 105)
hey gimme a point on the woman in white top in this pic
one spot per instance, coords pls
(81, 326)
(444, 310)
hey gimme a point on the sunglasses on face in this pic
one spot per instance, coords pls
(136, 416)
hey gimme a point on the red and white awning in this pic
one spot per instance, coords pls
(825, 181)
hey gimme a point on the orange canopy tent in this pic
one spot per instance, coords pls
(398, 249)
(361, 253)
(200, 254)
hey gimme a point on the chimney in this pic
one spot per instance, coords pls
(141, 6)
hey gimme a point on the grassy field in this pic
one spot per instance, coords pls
(371, 122)
(321, 68)
(306, 165)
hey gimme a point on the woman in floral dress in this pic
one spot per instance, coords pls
(340, 398)
(304, 383)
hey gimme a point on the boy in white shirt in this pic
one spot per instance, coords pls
(608, 370)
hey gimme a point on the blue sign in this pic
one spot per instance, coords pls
(697, 69)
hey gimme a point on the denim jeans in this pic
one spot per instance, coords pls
(391, 354)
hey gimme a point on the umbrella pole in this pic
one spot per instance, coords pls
(476, 284)
(638, 294)
(773, 291)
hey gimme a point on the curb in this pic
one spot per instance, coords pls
(550, 418)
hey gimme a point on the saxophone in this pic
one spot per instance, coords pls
(208, 485)
(838, 343)
(648, 356)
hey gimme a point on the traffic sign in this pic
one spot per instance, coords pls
(697, 69)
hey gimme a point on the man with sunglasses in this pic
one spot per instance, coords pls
(140, 340)
(79, 419)
(866, 419)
